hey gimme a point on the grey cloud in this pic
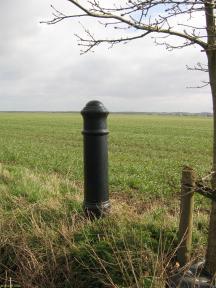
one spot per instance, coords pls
(96, 78)
(40, 68)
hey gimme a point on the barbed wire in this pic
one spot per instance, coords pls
(205, 190)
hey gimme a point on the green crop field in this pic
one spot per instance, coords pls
(45, 239)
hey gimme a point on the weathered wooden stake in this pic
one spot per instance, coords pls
(186, 215)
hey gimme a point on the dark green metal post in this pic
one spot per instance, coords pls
(96, 194)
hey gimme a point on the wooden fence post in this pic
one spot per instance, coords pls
(186, 215)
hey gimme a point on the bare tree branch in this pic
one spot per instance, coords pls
(128, 15)
(199, 67)
(205, 83)
(91, 42)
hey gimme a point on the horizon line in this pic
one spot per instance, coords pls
(114, 112)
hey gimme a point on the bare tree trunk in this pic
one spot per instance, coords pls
(211, 55)
(211, 248)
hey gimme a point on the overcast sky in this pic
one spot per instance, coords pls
(41, 67)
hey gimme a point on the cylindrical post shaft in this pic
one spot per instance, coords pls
(96, 194)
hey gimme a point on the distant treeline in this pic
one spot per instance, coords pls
(205, 114)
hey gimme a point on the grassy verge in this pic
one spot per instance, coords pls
(46, 241)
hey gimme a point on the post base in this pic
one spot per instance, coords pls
(96, 210)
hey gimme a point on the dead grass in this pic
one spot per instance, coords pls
(47, 242)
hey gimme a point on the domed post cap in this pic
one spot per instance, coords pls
(94, 107)
(95, 116)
